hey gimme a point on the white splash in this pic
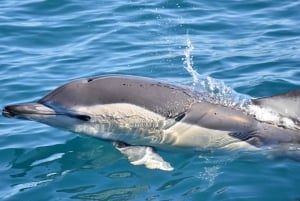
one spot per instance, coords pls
(209, 175)
(213, 90)
(188, 62)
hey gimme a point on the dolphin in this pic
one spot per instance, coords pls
(139, 115)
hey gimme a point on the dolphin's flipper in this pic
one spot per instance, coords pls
(143, 155)
(286, 104)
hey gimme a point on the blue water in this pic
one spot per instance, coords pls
(253, 47)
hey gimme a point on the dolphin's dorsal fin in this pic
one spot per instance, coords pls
(143, 155)
(286, 104)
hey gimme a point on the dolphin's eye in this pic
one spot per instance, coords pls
(83, 117)
(80, 117)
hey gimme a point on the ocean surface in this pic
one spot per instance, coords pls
(248, 48)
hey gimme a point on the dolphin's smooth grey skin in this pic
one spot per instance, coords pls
(139, 114)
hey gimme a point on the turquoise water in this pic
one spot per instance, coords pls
(251, 46)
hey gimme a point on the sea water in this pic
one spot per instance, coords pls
(234, 50)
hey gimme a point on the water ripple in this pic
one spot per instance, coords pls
(250, 47)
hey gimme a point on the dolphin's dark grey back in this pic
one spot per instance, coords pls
(165, 99)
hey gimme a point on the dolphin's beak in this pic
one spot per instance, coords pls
(24, 111)
(31, 111)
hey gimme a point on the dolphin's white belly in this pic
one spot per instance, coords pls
(137, 126)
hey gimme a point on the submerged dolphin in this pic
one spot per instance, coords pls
(138, 114)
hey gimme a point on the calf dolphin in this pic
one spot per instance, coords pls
(140, 114)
